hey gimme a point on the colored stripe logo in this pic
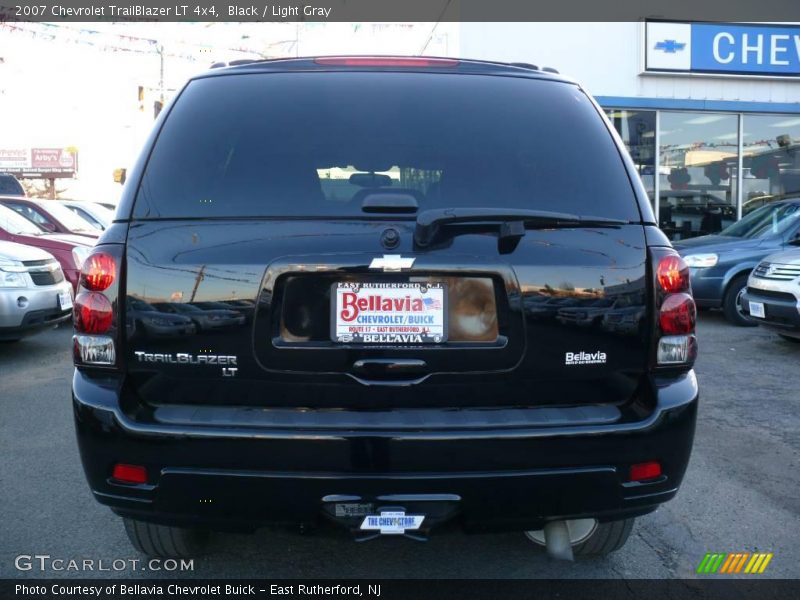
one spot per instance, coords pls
(734, 562)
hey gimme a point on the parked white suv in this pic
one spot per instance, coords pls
(33, 292)
(773, 294)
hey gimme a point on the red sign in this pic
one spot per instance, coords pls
(52, 159)
(33, 162)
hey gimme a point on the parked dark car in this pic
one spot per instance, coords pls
(394, 377)
(51, 216)
(69, 250)
(10, 186)
(720, 264)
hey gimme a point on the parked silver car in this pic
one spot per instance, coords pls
(97, 215)
(772, 298)
(33, 292)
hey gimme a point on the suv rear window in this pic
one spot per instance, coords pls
(313, 144)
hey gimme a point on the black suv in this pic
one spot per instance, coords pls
(399, 237)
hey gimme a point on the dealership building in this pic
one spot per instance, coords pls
(710, 112)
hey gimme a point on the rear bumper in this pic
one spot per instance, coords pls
(493, 478)
(782, 310)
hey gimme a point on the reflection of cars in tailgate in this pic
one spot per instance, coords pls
(585, 314)
(33, 291)
(145, 319)
(204, 319)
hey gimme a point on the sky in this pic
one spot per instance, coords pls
(76, 84)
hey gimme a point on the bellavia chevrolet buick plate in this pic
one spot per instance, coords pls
(388, 294)
(404, 313)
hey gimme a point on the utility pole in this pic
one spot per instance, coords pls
(159, 104)
(198, 279)
(161, 73)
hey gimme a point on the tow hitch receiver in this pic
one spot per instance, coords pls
(369, 518)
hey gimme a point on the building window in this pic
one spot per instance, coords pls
(698, 172)
(770, 159)
(637, 128)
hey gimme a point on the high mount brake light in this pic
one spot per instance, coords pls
(673, 274)
(98, 272)
(385, 61)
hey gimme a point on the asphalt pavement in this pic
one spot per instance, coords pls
(740, 493)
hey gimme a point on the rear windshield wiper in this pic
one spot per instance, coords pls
(510, 222)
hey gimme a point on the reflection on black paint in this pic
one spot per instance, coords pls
(617, 309)
(143, 320)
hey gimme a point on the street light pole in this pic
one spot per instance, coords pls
(161, 73)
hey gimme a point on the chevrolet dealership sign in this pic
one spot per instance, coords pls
(723, 48)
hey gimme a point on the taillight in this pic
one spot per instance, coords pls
(94, 315)
(385, 61)
(673, 274)
(677, 313)
(99, 272)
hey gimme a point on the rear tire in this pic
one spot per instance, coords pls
(602, 539)
(163, 541)
(607, 538)
(732, 302)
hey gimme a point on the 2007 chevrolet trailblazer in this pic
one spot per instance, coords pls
(390, 293)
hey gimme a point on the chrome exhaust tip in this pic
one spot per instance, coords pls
(558, 537)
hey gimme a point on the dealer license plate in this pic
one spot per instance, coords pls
(389, 313)
(64, 300)
(392, 522)
(757, 310)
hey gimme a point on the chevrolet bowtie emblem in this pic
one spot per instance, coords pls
(391, 262)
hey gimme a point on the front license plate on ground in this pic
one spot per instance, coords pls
(757, 310)
(389, 313)
(64, 300)
(392, 522)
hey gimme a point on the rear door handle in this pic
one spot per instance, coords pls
(389, 367)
